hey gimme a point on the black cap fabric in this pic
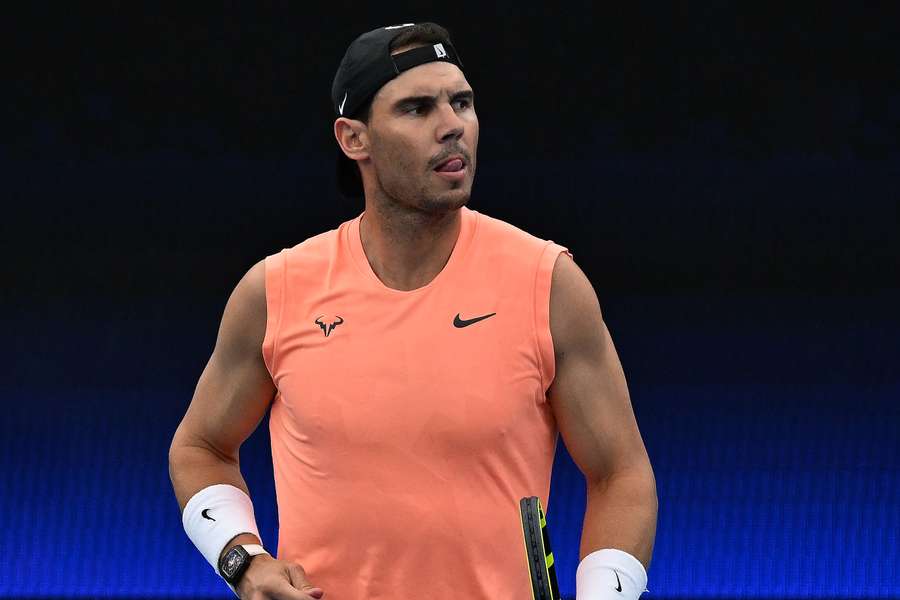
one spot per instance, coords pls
(366, 67)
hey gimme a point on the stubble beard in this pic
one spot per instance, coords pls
(421, 197)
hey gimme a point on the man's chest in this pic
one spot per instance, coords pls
(374, 372)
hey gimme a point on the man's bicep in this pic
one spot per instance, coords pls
(589, 394)
(235, 388)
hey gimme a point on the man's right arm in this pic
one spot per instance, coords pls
(232, 396)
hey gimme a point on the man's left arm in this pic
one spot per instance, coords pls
(590, 401)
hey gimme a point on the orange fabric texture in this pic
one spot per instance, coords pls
(401, 442)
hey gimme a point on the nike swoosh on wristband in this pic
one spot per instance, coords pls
(206, 516)
(619, 588)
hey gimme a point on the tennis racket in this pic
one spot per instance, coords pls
(537, 550)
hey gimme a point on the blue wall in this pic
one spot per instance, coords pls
(766, 489)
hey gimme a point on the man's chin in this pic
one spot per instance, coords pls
(447, 200)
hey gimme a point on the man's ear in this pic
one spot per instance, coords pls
(352, 137)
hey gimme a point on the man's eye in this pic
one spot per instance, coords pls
(420, 109)
(462, 103)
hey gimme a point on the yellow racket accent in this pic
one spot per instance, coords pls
(538, 555)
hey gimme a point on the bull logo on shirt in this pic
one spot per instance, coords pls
(328, 323)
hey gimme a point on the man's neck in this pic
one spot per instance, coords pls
(407, 249)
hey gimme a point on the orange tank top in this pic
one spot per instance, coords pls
(405, 430)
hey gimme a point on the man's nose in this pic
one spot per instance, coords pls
(451, 126)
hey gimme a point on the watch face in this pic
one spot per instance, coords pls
(232, 562)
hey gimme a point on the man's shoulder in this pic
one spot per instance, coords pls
(498, 227)
(317, 244)
(501, 236)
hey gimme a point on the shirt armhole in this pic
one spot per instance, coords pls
(275, 276)
(543, 280)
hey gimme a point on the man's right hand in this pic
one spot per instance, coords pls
(267, 577)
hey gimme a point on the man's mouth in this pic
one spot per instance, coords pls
(451, 165)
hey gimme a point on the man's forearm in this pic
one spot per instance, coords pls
(621, 514)
(194, 467)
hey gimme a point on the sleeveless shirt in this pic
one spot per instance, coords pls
(404, 431)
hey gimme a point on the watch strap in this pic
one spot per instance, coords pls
(252, 550)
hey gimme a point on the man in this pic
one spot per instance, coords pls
(418, 362)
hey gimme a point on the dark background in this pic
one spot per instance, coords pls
(725, 174)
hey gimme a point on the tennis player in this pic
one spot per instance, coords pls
(419, 362)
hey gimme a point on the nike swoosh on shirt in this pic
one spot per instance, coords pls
(458, 322)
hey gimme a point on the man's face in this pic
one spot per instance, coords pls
(419, 120)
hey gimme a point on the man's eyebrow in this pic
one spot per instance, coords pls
(415, 100)
(425, 99)
(462, 95)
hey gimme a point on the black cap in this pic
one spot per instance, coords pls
(366, 67)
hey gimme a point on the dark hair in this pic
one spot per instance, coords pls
(420, 34)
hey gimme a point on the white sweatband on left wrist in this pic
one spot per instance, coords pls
(610, 574)
(214, 516)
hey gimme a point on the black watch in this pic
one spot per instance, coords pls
(236, 561)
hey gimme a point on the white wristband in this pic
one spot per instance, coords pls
(610, 574)
(214, 516)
